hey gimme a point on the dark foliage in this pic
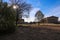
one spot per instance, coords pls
(7, 18)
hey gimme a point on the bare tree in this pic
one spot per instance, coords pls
(39, 15)
(22, 8)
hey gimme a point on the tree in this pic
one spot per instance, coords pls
(39, 15)
(22, 8)
(7, 18)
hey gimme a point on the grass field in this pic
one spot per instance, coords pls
(29, 33)
(43, 25)
(34, 32)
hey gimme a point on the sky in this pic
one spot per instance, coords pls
(48, 8)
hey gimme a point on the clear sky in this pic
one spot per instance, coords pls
(48, 8)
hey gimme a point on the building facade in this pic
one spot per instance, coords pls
(51, 19)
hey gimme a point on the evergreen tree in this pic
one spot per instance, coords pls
(7, 18)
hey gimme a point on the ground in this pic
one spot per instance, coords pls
(30, 33)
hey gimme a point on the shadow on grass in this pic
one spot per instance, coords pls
(30, 33)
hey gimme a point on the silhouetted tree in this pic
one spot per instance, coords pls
(22, 8)
(39, 15)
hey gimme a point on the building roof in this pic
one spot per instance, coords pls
(52, 17)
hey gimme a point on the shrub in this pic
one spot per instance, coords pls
(7, 19)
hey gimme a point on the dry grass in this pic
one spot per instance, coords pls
(30, 33)
(35, 32)
(43, 25)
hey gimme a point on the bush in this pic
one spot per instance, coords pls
(7, 19)
(7, 28)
